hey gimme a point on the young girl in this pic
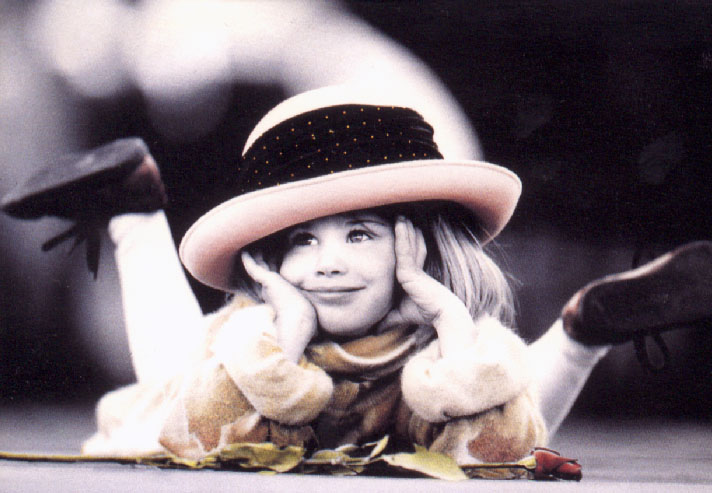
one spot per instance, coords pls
(363, 302)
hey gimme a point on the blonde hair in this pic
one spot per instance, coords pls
(455, 257)
(460, 263)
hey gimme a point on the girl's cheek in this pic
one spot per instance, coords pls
(290, 268)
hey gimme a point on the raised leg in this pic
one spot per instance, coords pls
(671, 292)
(561, 367)
(163, 318)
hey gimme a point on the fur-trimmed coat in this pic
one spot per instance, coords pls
(476, 406)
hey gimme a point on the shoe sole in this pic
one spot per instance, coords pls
(58, 189)
(672, 291)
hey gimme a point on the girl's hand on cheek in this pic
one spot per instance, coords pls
(427, 301)
(295, 316)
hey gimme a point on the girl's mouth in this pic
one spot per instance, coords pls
(336, 294)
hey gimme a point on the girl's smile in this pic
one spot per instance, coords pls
(345, 266)
(335, 295)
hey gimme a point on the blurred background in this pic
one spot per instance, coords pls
(603, 109)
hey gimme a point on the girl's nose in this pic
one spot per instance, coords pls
(330, 261)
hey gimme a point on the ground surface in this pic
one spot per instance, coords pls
(631, 456)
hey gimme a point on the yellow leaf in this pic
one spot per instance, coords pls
(341, 455)
(192, 464)
(332, 457)
(263, 456)
(379, 447)
(347, 449)
(529, 462)
(495, 472)
(430, 463)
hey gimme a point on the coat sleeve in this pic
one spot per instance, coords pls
(505, 433)
(475, 405)
(243, 390)
(488, 373)
(279, 389)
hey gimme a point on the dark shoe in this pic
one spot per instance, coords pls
(115, 178)
(90, 188)
(672, 291)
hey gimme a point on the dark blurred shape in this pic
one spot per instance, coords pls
(89, 188)
(658, 158)
(64, 187)
(603, 110)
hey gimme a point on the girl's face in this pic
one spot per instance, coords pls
(345, 266)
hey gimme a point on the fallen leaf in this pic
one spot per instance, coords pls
(430, 463)
(262, 456)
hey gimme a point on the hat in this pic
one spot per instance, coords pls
(334, 150)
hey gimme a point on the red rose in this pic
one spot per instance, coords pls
(551, 465)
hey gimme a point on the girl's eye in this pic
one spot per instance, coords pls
(302, 239)
(359, 235)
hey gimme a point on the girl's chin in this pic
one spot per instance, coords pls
(349, 323)
(335, 326)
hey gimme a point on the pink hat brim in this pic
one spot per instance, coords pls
(209, 247)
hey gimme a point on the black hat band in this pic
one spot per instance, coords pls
(333, 139)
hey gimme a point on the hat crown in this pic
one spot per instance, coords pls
(336, 95)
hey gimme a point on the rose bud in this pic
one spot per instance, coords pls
(550, 464)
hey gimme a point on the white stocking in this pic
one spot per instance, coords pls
(163, 318)
(561, 367)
